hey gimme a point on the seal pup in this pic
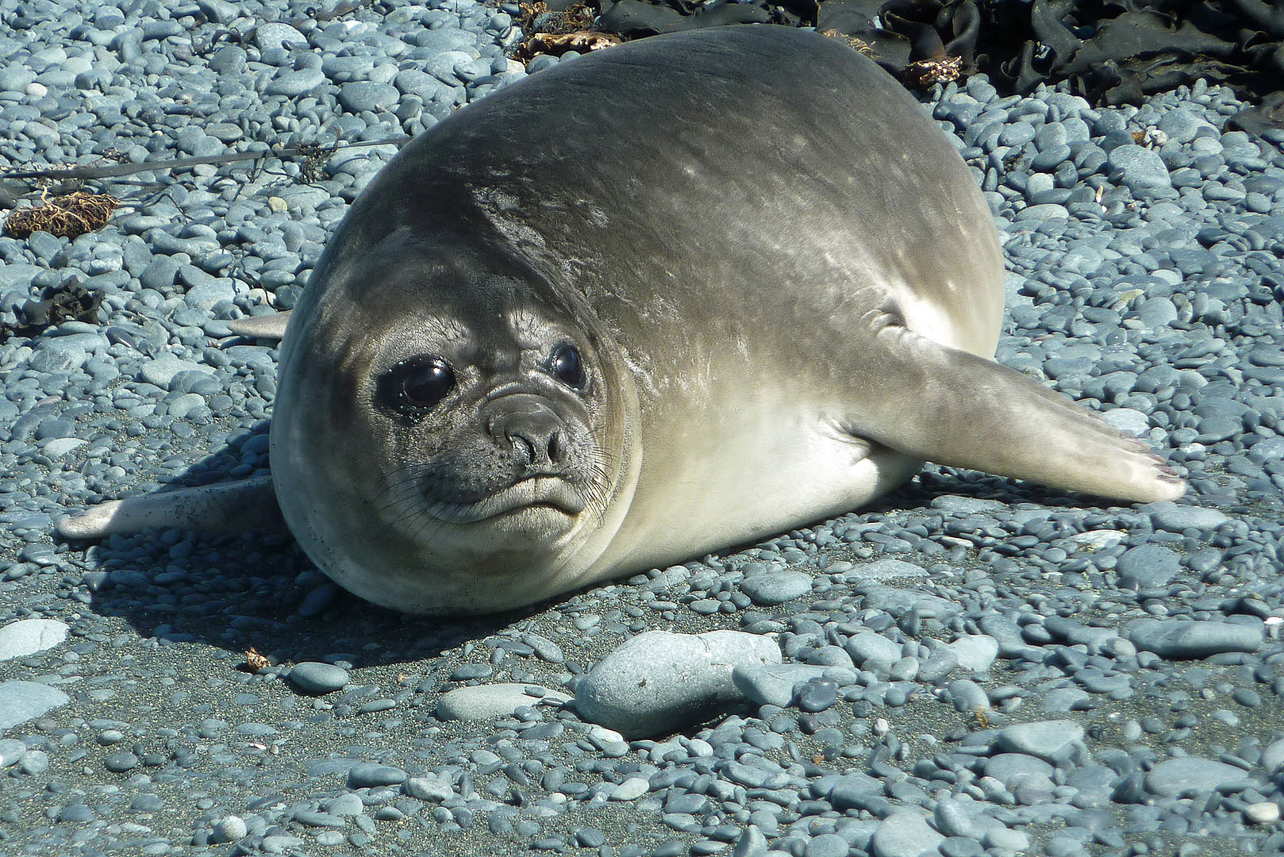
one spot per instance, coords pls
(667, 298)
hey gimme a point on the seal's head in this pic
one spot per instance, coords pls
(447, 434)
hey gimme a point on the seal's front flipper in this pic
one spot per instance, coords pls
(947, 406)
(232, 507)
(261, 326)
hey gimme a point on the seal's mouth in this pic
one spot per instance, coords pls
(539, 492)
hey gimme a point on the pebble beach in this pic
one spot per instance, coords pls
(973, 666)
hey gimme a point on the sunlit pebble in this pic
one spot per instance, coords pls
(37, 90)
(1266, 812)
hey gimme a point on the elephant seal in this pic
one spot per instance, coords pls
(664, 299)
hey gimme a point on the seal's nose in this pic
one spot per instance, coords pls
(531, 427)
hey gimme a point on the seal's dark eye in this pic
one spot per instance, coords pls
(565, 365)
(418, 383)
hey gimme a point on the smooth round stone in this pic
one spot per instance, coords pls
(21, 701)
(312, 818)
(660, 681)
(873, 652)
(1016, 134)
(1189, 775)
(487, 701)
(120, 762)
(468, 672)
(1183, 125)
(776, 587)
(1147, 566)
(1045, 739)
(76, 813)
(429, 788)
(969, 697)
(316, 678)
(162, 369)
(147, 802)
(976, 652)
(1172, 518)
(1215, 428)
(346, 805)
(1142, 169)
(1128, 420)
(1012, 769)
(826, 845)
(1006, 841)
(1044, 211)
(295, 82)
(11, 751)
(942, 662)
(848, 791)
(229, 829)
(631, 789)
(817, 695)
(1273, 756)
(904, 834)
(364, 95)
(28, 636)
(369, 775)
(1184, 639)
(752, 843)
(774, 684)
(1266, 812)
(273, 35)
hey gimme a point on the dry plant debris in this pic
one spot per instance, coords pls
(64, 216)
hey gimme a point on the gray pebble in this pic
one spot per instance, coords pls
(1147, 566)
(11, 751)
(1047, 739)
(276, 35)
(1186, 639)
(364, 95)
(314, 677)
(975, 652)
(873, 652)
(773, 684)
(776, 587)
(905, 834)
(370, 775)
(486, 701)
(1141, 169)
(1186, 776)
(229, 829)
(1176, 519)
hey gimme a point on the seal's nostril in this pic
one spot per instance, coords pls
(555, 447)
(524, 447)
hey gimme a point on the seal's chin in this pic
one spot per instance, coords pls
(537, 496)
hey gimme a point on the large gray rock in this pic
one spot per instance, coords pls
(21, 701)
(660, 682)
(28, 636)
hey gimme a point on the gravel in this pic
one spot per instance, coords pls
(971, 667)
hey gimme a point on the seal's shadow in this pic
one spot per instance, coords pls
(260, 590)
(254, 589)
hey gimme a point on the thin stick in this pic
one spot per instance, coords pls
(113, 170)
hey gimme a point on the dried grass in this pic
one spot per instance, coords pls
(64, 216)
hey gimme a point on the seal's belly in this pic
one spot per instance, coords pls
(742, 480)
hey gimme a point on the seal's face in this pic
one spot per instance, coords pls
(457, 434)
(490, 427)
